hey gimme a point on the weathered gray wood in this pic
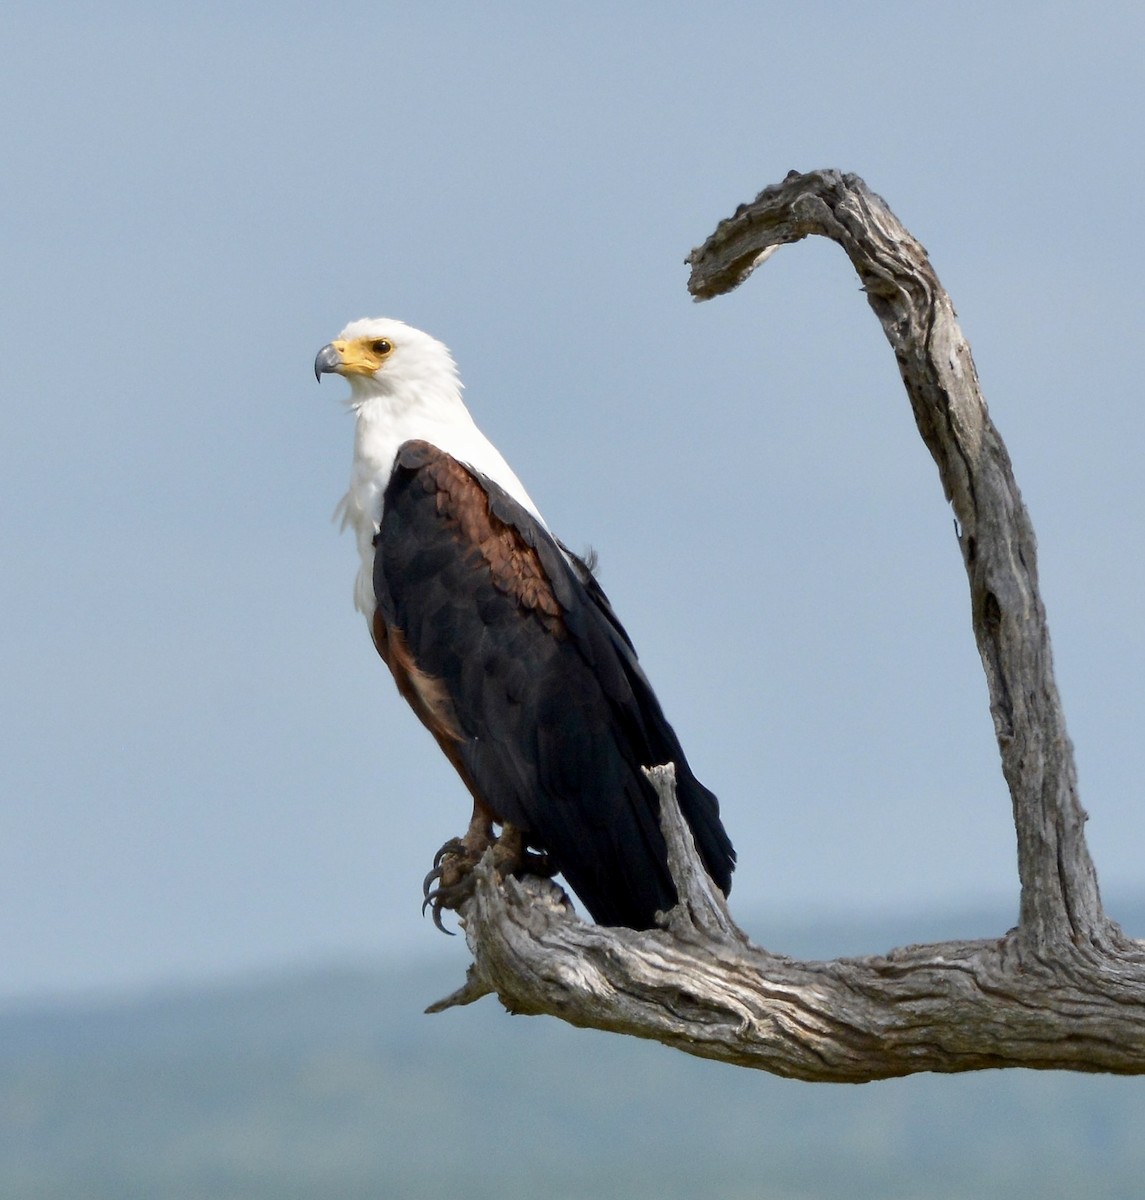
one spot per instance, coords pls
(1059, 887)
(1065, 988)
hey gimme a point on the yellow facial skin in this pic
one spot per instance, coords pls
(361, 356)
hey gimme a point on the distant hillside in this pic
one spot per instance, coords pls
(332, 1085)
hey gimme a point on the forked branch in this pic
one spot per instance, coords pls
(1065, 988)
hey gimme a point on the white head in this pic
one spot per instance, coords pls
(379, 356)
(403, 387)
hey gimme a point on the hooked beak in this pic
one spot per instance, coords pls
(327, 362)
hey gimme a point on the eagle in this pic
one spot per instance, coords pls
(504, 645)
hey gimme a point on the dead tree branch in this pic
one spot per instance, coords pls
(1066, 988)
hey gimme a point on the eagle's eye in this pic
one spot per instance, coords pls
(381, 346)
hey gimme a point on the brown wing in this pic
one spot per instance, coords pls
(530, 686)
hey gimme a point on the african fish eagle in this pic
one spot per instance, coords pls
(504, 645)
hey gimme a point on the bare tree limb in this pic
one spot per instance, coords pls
(1066, 988)
(1059, 887)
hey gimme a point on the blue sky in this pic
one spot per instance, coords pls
(203, 766)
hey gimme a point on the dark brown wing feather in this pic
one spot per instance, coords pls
(517, 664)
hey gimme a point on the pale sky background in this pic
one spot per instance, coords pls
(203, 766)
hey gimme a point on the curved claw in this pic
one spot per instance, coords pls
(449, 882)
(431, 902)
(437, 922)
(450, 895)
(453, 846)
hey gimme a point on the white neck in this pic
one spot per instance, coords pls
(388, 417)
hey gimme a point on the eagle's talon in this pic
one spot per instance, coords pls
(434, 904)
(437, 922)
(450, 881)
(454, 846)
(435, 912)
(449, 895)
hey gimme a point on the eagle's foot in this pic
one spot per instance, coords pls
(451, 881)
(455, 882)
(512, 857)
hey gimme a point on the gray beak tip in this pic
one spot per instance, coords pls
(328, 359)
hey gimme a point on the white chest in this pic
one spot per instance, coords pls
(378, 435)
